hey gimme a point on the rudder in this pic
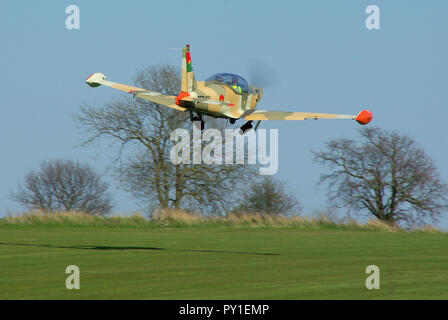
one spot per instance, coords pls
(187, 81)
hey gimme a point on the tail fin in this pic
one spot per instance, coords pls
(187, 84)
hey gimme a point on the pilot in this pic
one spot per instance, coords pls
(236, 86)
(219, 78)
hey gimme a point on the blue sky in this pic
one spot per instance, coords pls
(326, 58)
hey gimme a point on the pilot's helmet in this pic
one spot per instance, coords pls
(235, 80)
(219, 78)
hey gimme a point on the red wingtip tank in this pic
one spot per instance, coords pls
(364, 117)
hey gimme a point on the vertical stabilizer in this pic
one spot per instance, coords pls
(187, 84)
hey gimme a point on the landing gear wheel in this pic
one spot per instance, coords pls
(246, 127)
(232, 121)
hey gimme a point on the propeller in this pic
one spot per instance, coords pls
(261, 74)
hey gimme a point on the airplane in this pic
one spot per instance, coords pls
(223, 95)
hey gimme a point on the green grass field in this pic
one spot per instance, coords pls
(220, 263)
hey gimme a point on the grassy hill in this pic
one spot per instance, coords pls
(132, 258)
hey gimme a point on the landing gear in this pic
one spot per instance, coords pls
(197, 120)
(200, 124)
(246, 127)
(232, 121)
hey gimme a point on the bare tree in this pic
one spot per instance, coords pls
(268, 196)
(64, 185)
(143, 128)
(386, 175)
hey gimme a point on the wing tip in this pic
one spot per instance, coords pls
(94, 80)
(364, 117)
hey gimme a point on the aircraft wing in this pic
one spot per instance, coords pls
(363, 117)
(97, 79)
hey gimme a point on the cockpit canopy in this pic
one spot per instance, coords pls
(230, 79)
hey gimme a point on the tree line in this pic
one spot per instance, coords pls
(382, 174)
